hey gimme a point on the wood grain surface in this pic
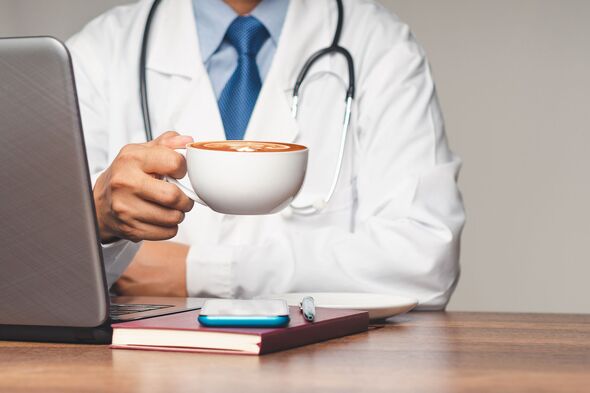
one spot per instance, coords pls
(416, 352)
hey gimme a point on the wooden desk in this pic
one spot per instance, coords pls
(417, 352)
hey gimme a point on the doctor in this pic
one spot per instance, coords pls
(394, 222)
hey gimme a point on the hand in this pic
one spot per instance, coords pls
(132, 202)
(158, 269)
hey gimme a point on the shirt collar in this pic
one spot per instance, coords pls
(213, 18)
(272, 13)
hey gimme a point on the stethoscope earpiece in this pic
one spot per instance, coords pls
(316, 207)
(320, 205)
(287, 212)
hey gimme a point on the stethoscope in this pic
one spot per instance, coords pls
(321, 203)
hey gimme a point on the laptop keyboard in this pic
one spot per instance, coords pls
(118, 310)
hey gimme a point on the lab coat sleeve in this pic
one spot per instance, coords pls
(89, 52)
(409, 215)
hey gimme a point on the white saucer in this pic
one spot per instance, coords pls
(379, 306)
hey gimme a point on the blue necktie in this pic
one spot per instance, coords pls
(239, 95)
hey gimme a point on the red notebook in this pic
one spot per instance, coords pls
(182, 332)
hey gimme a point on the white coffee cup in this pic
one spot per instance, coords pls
(248, 178)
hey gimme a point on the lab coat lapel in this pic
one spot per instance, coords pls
(174, 51)
(198, 116)
(271, 119)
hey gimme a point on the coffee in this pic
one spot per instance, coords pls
(248, 146)
(244, 183)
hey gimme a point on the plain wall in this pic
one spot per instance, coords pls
(514, 82)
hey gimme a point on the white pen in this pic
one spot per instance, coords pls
(307, 308)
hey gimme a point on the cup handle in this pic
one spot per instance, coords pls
(186, 190)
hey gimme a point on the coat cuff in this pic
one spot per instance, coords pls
(117, 256)
(209, 271)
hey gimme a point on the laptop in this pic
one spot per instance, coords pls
(52, 278)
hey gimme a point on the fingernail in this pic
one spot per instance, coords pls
(184, 138)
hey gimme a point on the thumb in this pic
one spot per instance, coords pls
(172, 140)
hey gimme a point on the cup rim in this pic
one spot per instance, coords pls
(303, 148)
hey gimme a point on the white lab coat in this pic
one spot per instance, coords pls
(394, 223)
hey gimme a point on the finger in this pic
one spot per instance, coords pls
(172, 140)
(137, 231)
(165, 135)
(164, 194)
(160, 160)
(136, 209)
(177, 142)
(152, 213)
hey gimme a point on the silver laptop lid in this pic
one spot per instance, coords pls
(51, 271)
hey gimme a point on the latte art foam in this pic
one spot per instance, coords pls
(247, 146)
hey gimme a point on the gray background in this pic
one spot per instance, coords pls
(513, 78)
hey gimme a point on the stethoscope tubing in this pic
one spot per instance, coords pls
(334, 48)
(143, 93)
